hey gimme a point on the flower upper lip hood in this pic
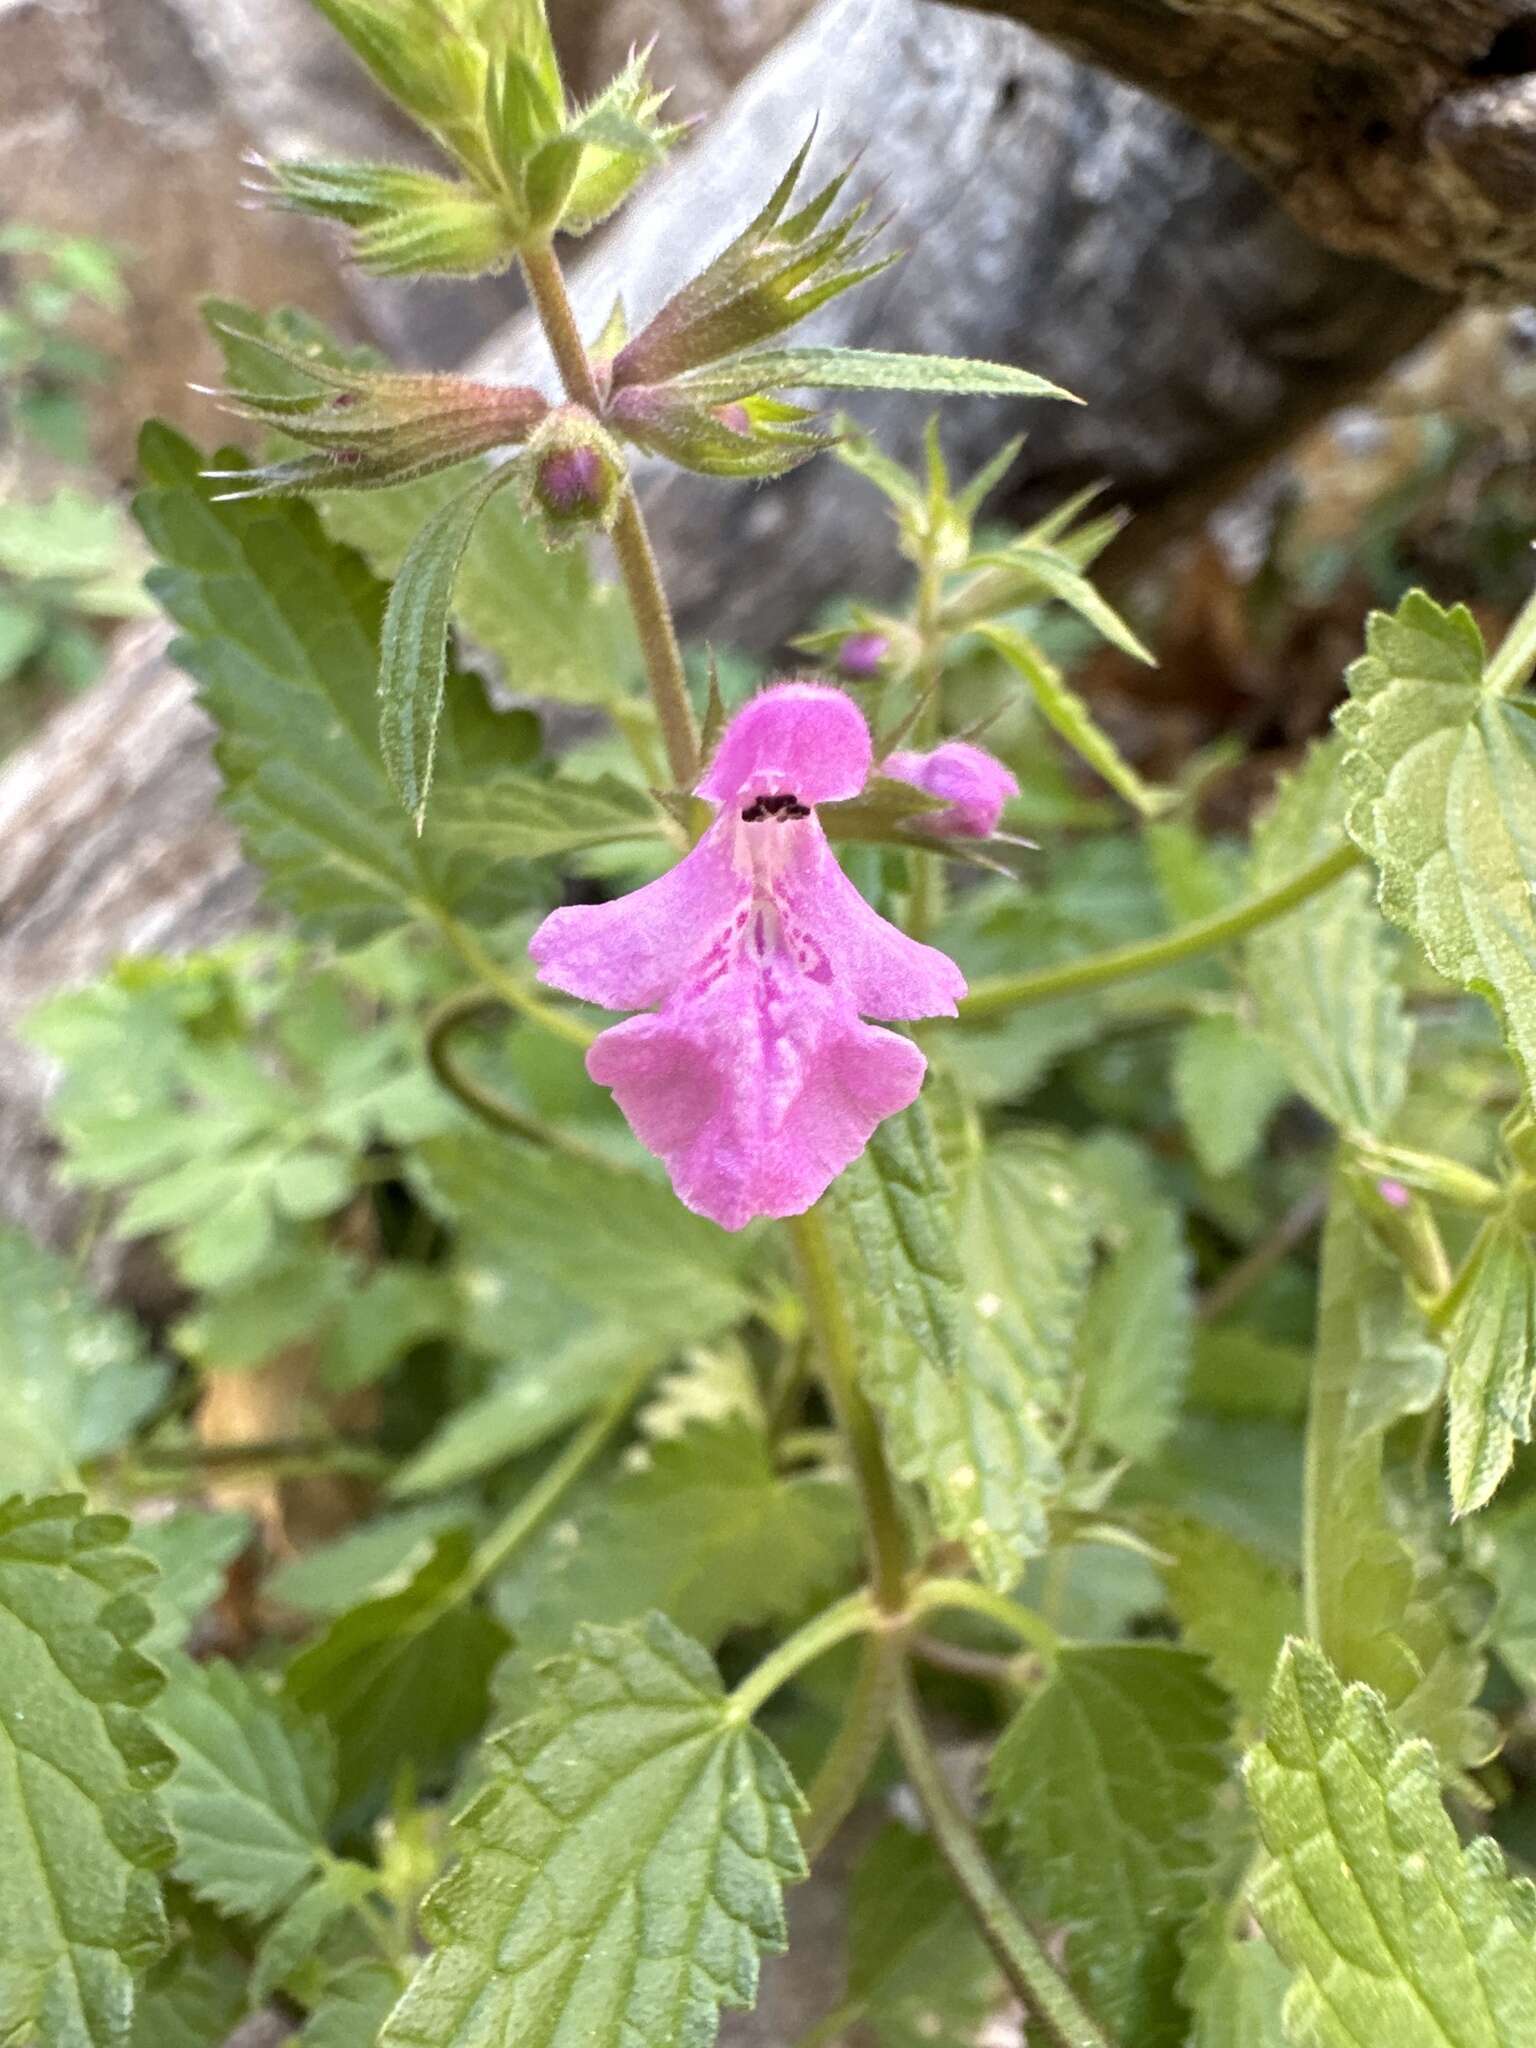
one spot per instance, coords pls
(755, 1077)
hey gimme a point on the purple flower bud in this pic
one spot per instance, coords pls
(570, 483)
(735, 416)
(973, 783)
(861, 654)
(574, 473)
(1394, 1194)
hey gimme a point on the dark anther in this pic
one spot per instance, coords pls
(794, 810)
(346, 456)
(1511, 54)
(342, 400)
(754, 814)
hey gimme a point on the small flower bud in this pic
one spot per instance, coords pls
(862, 655)
(1394, 1194)
(574, 474)
(973, 783)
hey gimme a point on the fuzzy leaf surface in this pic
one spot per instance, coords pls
(1395, 1931)
(526, 817)
(1382, 1613)
(75, 1377)
(1065, 711)
(621, 1867)
(1228, 1084)
(1491, 1347)
(1134, 1341)
(413, 650)
(1103, 1786)
(554, 629)
(192, 1550)
(253, 1787)
(1441, 774)
(82, 1827)
(961, 1418)
(863, 369)
(281, 630)
(1322, 976)
(706, 1531)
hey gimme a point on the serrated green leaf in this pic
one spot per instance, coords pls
(1064, 710)
(524, 817)
(194, 1997)
(620, 1871)
(555, 630)
(1490, 1342)
(281, 631)
(82, 1830)
(191, 1550)
(1441, 774)
(862, 369)
(1232, 1604)
(1136, 1332)
(376, 1676)
(253, 1786)
(1322, 976)
(413, 645)
(705, 1531)
(1380, 1613)
(620, 1270)
(1228, 1084)
(75, 1378)
(1397, 1933)
(960, 1418)
(1045, 569)
(918, 1972)
(1104, 1786)
(1025, 1236)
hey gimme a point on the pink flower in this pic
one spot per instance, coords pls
(976, 784)
(754, 1076)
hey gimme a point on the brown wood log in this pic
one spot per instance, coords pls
(1403, 130)
(1053, 217)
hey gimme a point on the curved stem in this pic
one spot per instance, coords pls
(1024, 1961)
(854, 1616)
(838, 1357)
(631, 540)
(1007, 1614)
(845, 1769)
(1015, 991)
(1511, 667)
(484, 1102)
(505, 984)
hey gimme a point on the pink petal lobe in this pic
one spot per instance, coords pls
(630, 954)
(804, 737)
(755, 1093)
(974, 784)
(885, 973)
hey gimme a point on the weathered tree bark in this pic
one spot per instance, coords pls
(1403, 130)
(1053, 217)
